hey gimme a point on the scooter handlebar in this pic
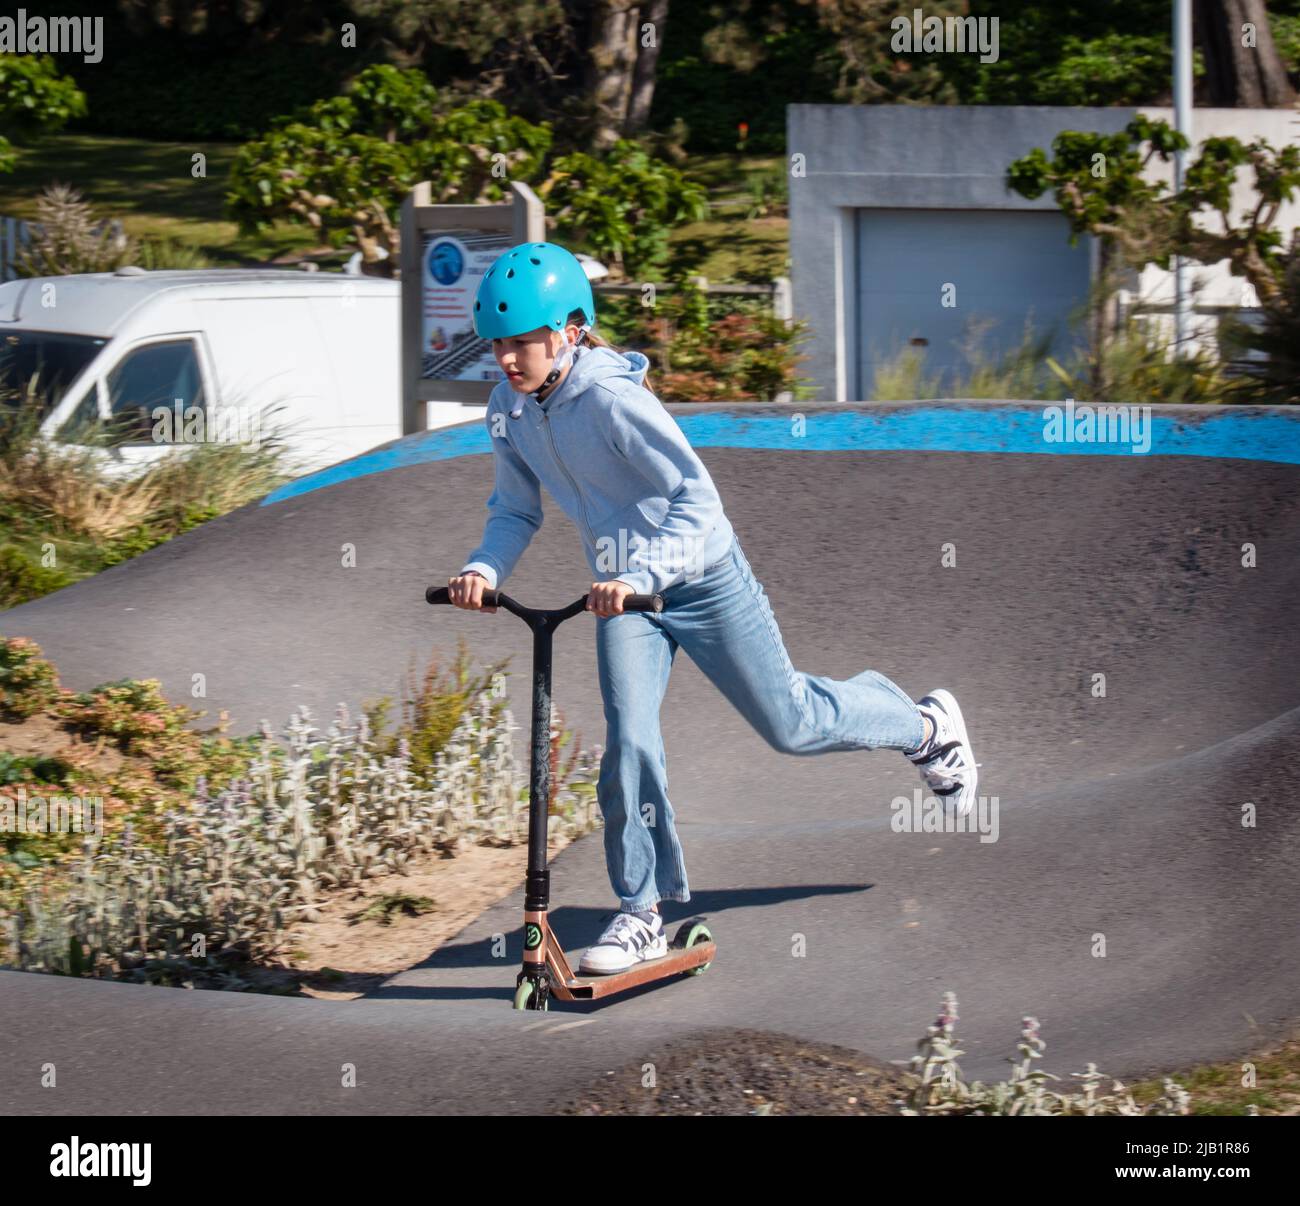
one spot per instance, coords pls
(494, 598)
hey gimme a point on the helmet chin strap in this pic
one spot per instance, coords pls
(562, 360)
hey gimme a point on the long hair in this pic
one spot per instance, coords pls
(596, 341)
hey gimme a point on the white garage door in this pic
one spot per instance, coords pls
(1005, 267)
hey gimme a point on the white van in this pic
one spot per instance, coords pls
(226, 345)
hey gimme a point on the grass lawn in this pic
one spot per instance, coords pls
(728, 247)
(148, 187)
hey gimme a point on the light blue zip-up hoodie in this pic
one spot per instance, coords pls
(619, 466)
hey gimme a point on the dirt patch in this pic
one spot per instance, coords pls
(344, 955)
(746, 1072)
(49, 737)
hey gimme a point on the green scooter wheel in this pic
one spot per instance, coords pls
(524, 996)
(688, 936)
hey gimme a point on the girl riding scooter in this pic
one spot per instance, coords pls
(576, 416)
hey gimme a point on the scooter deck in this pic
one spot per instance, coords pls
(678, 959)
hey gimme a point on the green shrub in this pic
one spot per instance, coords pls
(621, 206)
(28, 683)
(58, 494)
(22, 578)
(709, 349)
(164, 252)
(1136, 367)
(136, 714)
(434, 708)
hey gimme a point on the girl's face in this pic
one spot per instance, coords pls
(526, 359)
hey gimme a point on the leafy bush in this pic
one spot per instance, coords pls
(34, 100)
(343, 166)
(701, 349)
(769, 194)
(28, 683)
(622, 206)
(136, 714)
(23, 578)
(38, 770)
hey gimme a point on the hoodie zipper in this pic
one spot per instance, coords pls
(582, 502)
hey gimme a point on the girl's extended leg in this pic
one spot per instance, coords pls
(724, 622)
(634, 656)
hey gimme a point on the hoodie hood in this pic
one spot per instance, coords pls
(590, 367)
(593, 365)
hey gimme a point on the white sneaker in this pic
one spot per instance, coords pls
(626, 940)
(947, 762)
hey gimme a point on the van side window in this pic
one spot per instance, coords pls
(159, 374)
(82, 420)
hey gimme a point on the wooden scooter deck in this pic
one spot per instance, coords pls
(678, 959)
(542, 947)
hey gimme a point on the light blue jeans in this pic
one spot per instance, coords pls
(725, 623)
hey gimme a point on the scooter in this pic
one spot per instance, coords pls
(546, 971)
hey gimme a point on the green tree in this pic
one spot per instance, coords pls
(870, 68)
(1245, 68)
(1098, 183)
(592, 63)
(345, 164)
(34, 100)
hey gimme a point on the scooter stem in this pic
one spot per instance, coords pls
(543, 623)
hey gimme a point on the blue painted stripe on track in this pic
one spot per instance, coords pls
(1220, 433)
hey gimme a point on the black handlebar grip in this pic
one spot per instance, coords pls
(643, 603)
(441, 594)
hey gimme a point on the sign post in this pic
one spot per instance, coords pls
(445, 251)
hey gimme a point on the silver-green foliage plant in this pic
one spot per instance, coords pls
(239, 869)
(938, 1086)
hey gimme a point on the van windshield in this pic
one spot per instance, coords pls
(53, 358)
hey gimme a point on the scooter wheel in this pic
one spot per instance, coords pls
(689, 934)
(525, 997)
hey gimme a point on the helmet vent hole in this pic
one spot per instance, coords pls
(534, 259)
(501, 307)
(510, 274)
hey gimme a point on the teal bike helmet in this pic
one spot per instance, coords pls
(532, 285)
